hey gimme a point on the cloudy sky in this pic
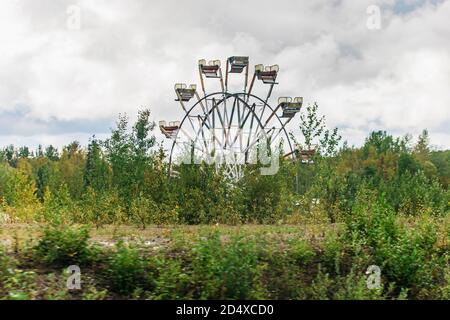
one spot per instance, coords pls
(68, 68)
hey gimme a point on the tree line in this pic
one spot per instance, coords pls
(124, 179)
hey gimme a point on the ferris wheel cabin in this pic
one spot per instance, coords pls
(210, 70)
(184, 93)
(237, 64)
(267, 74)
(169, 130)
(290, 107)
(306, 155)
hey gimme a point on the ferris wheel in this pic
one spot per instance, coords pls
(228, 128)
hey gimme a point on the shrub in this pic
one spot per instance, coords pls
(226, 271)
(20, 285)
(372, 219)
(405, 250)
(64, 245)
(332, 253)
(126, 270)
(6, 263)
(410, 259)
(301, 252)
(99, 208)
(353, 286)
(15, 284)
(143, 210)
(169, 279)
(58, 206)
(285, 268)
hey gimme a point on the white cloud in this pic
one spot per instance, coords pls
(128, 54)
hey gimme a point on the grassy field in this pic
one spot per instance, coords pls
(21, 234)
(311, 261)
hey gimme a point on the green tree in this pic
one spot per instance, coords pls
(71, 166)
(142, 143)
(118, 153)
(51, 153)
(96, 173)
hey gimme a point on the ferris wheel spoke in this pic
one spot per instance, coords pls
(188, 147)
(283, 127)
(261, 134)
(219, 114)
(250, 131)
(261, 116)
(204, 140)
(204, 108)
(238, 132)
(230, 122)
(193, 142)
(225, 110)
(242, 125)
(196, 143)
(180, 100)
(257, 139)
(211, 130)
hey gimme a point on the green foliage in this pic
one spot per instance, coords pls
(20, 285)
(352, 286)
(130, 155)
(51, 153)
(228, 270)
(252, 264)
(411, 259)
(63, 245)
(96, 173)
(169, 280)
(262, 198)
(126, 270)
(18, 189)
(59, 206)
(100, 208)
(142, 211)
(124, 179)
(407, 253)
(15, 284)
(411, 194)
(441, 160)
(385, 203)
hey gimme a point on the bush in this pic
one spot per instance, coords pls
(226, 271)
(126, 270)
(6, 263)
(15, 284)
(20, 285)
(411, 259)
(333, 248)
(169, 279)
(406, 250)
(100, 208)
(64, 246)
(142, 211)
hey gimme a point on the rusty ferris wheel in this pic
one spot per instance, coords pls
(226, 127)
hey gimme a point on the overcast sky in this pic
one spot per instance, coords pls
(63, 79)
